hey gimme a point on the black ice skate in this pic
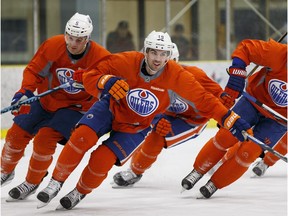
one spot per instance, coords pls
(208, 190)
(48, 193)
(260, 168)
(71, 200)
(7, 178)
(22, 191)
(191, 179)
(125, 178)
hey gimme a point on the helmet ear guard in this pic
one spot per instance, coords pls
(175, 53)
(79, 25)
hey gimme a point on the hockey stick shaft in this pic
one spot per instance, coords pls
(277, 115)
(265, 147)
(255, 68)
(35, 98)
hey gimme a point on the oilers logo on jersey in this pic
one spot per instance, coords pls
(142, 101)
(178, 106)
(278, 92)
(64, 75)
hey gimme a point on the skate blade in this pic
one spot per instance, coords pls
(60, 208)
(6, 183)
(41, 204)
(10, 199)
(253, 175)
(182, 190)
(115, 186)
(200, 196)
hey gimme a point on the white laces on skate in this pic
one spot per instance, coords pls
(74, 196)
(190, 180)
(52, 187)
(193, 177)
(6, 178)
(207, 190)
(70, 200)
(125, 179)
(211, 187)
(22, 191)
(128, 175)
(26, 187)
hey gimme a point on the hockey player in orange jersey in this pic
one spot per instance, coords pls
(139, 86)
(269, 159)
(178, 124)
(52, 118)
(269, 86)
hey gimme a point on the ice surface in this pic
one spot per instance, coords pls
(158, 192)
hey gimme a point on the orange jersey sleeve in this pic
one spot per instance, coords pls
(269, 85)
(150, 95)
(189, 113)
(209, 85)
(203, 101)
(52, 66)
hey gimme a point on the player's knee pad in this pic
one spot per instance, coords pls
(102, 160)
(142, 161)
(45, 141)
(247, 153)
(83, 138)
(153, 144)
(17, 137)
(225, 139)
(231, 151)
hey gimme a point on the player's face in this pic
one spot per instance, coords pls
(75, 45)
(156, 59)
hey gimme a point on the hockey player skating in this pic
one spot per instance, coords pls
(269, 159)
(139, 86)
(180, 123)
(51, 119)
(269, 86)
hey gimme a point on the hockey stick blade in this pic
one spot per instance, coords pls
(35, 98)
(265, 147)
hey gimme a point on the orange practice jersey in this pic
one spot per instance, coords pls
(52, 66)
(150, 95)
(269, 85)
(182, 109)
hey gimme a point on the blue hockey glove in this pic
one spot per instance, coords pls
(19, 96)
(232, 122)
(237, 76)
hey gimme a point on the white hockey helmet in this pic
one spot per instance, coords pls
(159, 41)
(79, 25)
(175, 53)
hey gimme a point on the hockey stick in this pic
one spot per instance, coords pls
(277, 115)
(36, 97)
(255, 68)
(265, 147)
